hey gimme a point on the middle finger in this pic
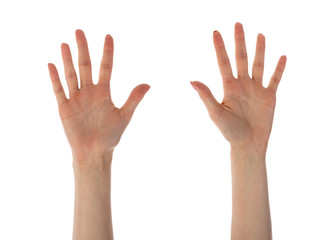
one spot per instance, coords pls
(84, 62)
(241, 54)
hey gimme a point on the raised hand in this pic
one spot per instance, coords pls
(245, 119)
(92, 123)
(245, 115)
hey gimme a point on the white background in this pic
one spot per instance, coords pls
(171, 174)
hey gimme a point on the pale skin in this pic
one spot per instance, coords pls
(93, 126)
(245, 118)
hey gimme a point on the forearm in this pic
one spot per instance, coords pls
(251, 217)
(92, 213)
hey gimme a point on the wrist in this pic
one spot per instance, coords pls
(247, 155)
(249, 150)
(91, 161)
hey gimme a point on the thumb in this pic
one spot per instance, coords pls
(208, 99)
(135, 98)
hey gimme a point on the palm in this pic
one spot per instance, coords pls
(245, 115)
(249, 109)
(91, 121)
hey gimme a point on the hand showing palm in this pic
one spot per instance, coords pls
(93, 125)
(245, 115)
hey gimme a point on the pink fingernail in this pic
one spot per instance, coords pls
(192, 84)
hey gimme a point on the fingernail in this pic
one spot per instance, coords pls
(192, 84)
(215, 31)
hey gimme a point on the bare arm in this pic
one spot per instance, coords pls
(92, 216)
(245, 118)
(251, 217)
(93, 126)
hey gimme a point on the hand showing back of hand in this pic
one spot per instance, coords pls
(245, 115)
(92, 123)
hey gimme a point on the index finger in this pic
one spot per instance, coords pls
(222, 57)
(106, 62)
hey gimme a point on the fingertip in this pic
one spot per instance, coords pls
(192, 84)
(143, 88)
(197, 83)
(283, 61)
(64, 45)
(108, 39)
(261, 36)
(239, 30)
(109, 42)
(238, 25)
(79, 31)
(284, 57)
(217, 39)
(147, 87)
(144, 85)
(53, 72)
(200, 87)
(79, 34)
(51, 67)
(215, 36)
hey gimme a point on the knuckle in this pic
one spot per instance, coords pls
(84, 63)
(275, 79)
(58, 90)
(70, 75)
(259, 64)
(224, 61)
(106, 65)
(242, 55)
